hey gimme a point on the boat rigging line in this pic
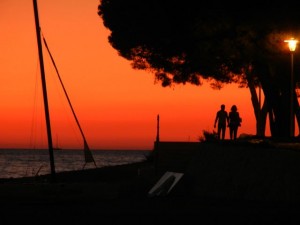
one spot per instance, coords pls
(87, 152)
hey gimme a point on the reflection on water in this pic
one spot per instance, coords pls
(23, 163)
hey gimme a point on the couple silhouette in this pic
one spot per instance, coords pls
(224, 119)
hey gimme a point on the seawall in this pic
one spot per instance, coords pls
(233, 170)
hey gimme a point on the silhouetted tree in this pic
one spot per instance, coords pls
(219, 41)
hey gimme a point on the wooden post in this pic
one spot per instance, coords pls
(156, 144)
(157, 129)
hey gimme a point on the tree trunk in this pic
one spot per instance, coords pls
(259, 112)
(276, 103)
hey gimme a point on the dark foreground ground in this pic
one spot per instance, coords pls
(222, 184)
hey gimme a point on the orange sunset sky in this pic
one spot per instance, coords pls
(116, 105)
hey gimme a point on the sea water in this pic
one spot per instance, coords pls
(15, 163)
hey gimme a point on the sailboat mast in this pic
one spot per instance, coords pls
(47, 115)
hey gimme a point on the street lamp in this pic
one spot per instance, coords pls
(292, 43)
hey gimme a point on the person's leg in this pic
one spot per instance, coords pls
(219, 132)
(235, 133)
(223, 132)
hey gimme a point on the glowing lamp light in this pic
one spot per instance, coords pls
(292, 44)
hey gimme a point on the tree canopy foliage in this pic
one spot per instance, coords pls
(182, 41)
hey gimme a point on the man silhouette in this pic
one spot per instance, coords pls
(222, 119)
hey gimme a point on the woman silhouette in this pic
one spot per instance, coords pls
(234, 122)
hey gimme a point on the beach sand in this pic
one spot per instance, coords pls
(221, 184)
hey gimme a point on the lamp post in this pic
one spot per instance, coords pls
(292, 43)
